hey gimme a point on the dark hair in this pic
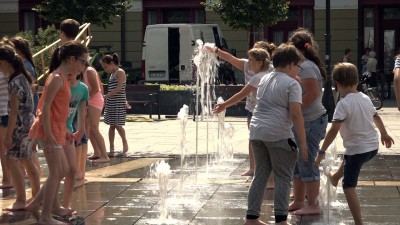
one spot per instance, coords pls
(303, 40)
(261, 55)
(62, 53)
(286, 54)
(346, 74)
(269, 46)
(108, 59)
(70, 28)
(24, 48)
(366, 49)
(347, 51)
(8, 54)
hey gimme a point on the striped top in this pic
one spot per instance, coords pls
(3, 95)
(115, 109)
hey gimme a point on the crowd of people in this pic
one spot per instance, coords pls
(60, 123)
(286, 121)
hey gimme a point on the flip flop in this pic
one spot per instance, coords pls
(113, 154)
(13, 210)
(6, 186)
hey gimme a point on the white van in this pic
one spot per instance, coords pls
(168, 50)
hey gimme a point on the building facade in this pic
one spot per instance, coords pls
(355, 24)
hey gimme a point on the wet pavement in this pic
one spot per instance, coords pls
(208, 189)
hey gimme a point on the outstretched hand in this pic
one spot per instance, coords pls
(218, 108)
(387, 140)
(208, 48)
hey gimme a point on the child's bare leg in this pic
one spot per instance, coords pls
(312, 192)
(354, 205)
(121, 132)
(335, 177)
(111, 137)
(54, 158)
(69, 182)
(6, 180)
(299, 190)
(33, 175)
(36, 161)
(81, 152)
(18, 180)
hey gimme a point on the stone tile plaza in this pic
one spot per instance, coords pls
(205, 190)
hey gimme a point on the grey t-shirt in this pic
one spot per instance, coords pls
(397, 63)
(271, 119)
(315, 109)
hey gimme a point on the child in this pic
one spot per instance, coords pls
(23, 49)
(278, 108)
(49, 128)
(243, 65)
(115, 109)
(17, 145)
(78, 102)
(354, 116)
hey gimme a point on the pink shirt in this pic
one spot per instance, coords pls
(96, 100)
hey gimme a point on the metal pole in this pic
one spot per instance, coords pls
(328, 38)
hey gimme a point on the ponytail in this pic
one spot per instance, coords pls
(111, 58)
(55, 61)
(8, 54)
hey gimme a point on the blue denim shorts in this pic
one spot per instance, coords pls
(352, 167)
(3, 121)
(315, 132)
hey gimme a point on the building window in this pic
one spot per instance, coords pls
(391, 13)
(369, 28)
(29, 21)
(152, 17)
(199, 16)
(176, 16)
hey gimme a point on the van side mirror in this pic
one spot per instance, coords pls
(233, 52)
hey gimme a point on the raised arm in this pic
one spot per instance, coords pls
(234, 99)
(236, 62)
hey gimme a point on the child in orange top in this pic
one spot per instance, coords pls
(49, 128)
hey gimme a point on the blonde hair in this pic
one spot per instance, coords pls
(269, 46)
(346, 74)
(261, 55)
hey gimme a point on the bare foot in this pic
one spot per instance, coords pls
(248, 173)
(63, 211)
(254, 222)
(93, 157)
(51, 221)
(34, 210)
(102, 160)
(5, 185)
(16, 206)
(125, 147)
(334, 179)
(308, 210)
(295, 206)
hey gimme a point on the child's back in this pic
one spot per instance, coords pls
(358, 129)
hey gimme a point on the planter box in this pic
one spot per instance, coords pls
(172, 101)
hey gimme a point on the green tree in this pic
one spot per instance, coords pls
(249, 14)
(98, 12)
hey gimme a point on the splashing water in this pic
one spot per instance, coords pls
(162, 173)
(183, 116)
(327, 190)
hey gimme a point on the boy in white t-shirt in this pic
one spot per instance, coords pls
(354, 117)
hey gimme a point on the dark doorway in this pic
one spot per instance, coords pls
(173, 54)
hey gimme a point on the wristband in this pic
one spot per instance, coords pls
(320, 152)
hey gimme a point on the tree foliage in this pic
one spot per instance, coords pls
(247, 14)
(98, 12)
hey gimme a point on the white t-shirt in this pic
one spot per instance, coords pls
(271, 119)
(254, 81)
(356, 112)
